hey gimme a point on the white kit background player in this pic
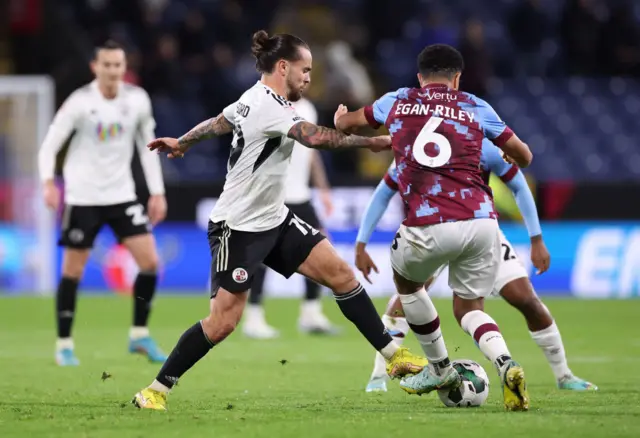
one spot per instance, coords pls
(104, 120)
(306, 165)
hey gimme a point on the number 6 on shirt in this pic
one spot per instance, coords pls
(428, 135)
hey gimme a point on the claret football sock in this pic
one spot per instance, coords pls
(485, 332)
(423, 320)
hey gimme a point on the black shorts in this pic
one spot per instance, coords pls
(236, 255)
(81, 223)
(306, 212)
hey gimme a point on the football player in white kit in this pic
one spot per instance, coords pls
(306, 165)
(250, 224)
(104, 118)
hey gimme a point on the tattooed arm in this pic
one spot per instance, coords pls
(213, 127)
(320, 137)
(176, 147)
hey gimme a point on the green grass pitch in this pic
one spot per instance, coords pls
(241, 389)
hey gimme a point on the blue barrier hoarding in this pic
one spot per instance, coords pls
(590, 260)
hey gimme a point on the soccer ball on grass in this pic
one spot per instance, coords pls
(474, 389)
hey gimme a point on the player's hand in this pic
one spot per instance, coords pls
(509, 160)
(51, 195)
(381, 143)
(342, 110)
(169, 145)
(327, 202)
(364, 263)
(540, 256)
(157, 209)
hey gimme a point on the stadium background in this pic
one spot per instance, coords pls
(564, 74)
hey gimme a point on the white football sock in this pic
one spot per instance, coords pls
(64, 343)
(389, 350)
(138, 333)
(484, 330)
(398, 328)
(157, 386)
(550, 342)
(423, 320)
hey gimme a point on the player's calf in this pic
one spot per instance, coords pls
(544, 332)
(422, 317)
(143, 250)
(325, 266)
(519, 293)
(486, 334)
(225, 313)
(73, 264)
(397, 325)
(482, 328)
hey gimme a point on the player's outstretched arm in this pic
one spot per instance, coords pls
(349, 122)
(540, 256)
(176, 147)
(320, 137)
(210, 128)
(372, 215)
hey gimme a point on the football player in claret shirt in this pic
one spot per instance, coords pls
(437, 134)
(512, 282)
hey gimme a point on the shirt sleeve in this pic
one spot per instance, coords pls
(492, 125)
(377, 113)
(278, 117)
(61, 128)
(229, 112)
(376, 208)
(149, 160)
(526, 204)
(495, 163)
(391, 177)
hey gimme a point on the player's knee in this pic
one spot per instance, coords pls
(404, 286)
(73, 265)
(73, 272)
(462, 307)
(341, 278)
(149, 264)
(218, 327)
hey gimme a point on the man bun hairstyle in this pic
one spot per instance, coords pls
(269, 50)
(440, 60)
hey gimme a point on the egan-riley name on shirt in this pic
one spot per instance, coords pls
(434, 110)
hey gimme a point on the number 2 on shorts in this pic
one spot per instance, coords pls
(136, 212)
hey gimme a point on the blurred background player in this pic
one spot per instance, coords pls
(306, 165)
(512, 282)
(104, 119)
(437, 134)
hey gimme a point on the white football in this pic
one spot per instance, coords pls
(474, 389)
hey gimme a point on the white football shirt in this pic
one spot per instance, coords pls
(97, 167)
(297, 183)
(254, 189)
